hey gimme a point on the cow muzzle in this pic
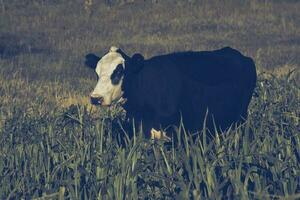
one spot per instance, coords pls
(96, 100)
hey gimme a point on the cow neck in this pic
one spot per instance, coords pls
(130, 87)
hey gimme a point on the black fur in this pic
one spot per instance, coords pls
(117, 74)
(134, 64)
(163, 89)
(91, 60)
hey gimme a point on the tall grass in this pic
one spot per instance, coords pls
(55, 145)
(73, 153)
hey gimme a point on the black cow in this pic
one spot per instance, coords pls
(189, 86)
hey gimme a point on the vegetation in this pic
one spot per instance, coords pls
(55, 145)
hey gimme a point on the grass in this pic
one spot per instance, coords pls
(55, 145)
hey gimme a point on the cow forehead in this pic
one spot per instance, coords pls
(109, 62)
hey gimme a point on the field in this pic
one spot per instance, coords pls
(55, 145)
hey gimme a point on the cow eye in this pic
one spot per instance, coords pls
(117, 74)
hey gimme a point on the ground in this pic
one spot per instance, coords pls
(53, 143)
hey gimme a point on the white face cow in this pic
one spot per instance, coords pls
(110, 71)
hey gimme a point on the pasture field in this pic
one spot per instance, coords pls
(55, 145)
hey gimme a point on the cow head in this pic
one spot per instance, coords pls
(110, 70)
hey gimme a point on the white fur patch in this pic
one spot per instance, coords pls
(159, 135)
(105, 67)
(113, 49)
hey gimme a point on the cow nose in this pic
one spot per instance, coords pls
(96, 100)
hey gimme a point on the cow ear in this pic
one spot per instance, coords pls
(138, 59)
(91, 60)
(136, 63)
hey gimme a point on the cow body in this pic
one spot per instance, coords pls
(188, 86)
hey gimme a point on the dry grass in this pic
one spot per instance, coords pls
(53, 143)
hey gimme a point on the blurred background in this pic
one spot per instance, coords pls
(43, 42)
(52, 141)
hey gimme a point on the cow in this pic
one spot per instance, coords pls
(189, 87)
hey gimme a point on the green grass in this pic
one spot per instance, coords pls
(45, 150)
(55, 145)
